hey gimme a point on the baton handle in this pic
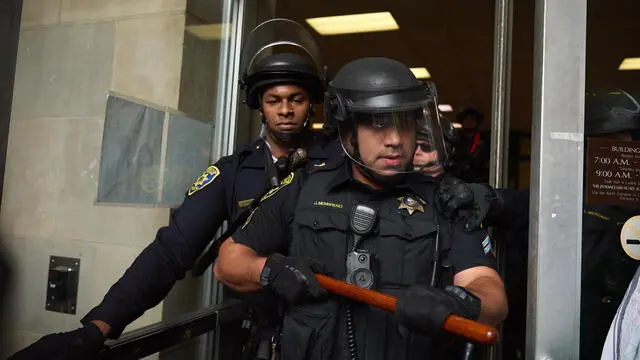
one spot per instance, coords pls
(473, 330)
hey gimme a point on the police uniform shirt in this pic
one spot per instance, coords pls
(268, 228)
(221, 193)
(309, 216)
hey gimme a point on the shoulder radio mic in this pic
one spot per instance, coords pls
(362, 264)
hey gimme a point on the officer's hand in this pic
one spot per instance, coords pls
(293, 278)
(469, 203)
(79, 344)
(452, 195)
(424, 309)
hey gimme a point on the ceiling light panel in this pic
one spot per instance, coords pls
(630, 64)
(445, 108)
(351, 24)
(421, 72)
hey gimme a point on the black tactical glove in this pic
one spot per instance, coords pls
(470, 203)
(453, 194)
(80, 344)
(292, 278)
(424, 309)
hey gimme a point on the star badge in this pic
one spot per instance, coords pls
(412, 205)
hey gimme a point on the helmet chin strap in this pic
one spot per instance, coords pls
(374, 176)
(383, 180)
(288, 140)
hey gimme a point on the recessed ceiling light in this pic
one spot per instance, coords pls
(421, 72)
(630, 64)
(207, 31)
(356, 23)
(445, 108)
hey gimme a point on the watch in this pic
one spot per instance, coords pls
(463, 294)
(264, 276)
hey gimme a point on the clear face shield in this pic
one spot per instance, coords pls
(431, 153)
(283, 34)
(396, 141)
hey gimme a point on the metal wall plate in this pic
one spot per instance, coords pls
(62, 284)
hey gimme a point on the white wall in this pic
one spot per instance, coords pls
(71, 53)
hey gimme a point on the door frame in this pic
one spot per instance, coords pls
(555, 207)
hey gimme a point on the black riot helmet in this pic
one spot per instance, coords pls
(382, 93)
(296, 62)
(450, 134)
(611, 112)
(281, 69)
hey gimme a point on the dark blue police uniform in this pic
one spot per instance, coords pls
(309, 216)
(221, 193)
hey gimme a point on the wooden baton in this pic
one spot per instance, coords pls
(455, 324)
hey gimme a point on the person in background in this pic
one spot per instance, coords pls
(623, 339)
(606, 269)
(473, 148)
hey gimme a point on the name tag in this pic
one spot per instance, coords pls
(243, 203)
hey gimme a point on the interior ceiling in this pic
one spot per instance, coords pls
(454, 41)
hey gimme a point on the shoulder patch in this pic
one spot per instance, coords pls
(207, 177)
(286, 181)
(487, 247)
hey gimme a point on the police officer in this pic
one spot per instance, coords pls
(606, 269)
(370, 221)
(283, 88)
(423, 159)
(472, 158)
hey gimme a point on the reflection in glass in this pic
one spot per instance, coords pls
(150, 156)
(612, 196)
(612, 179)
(131, 147)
